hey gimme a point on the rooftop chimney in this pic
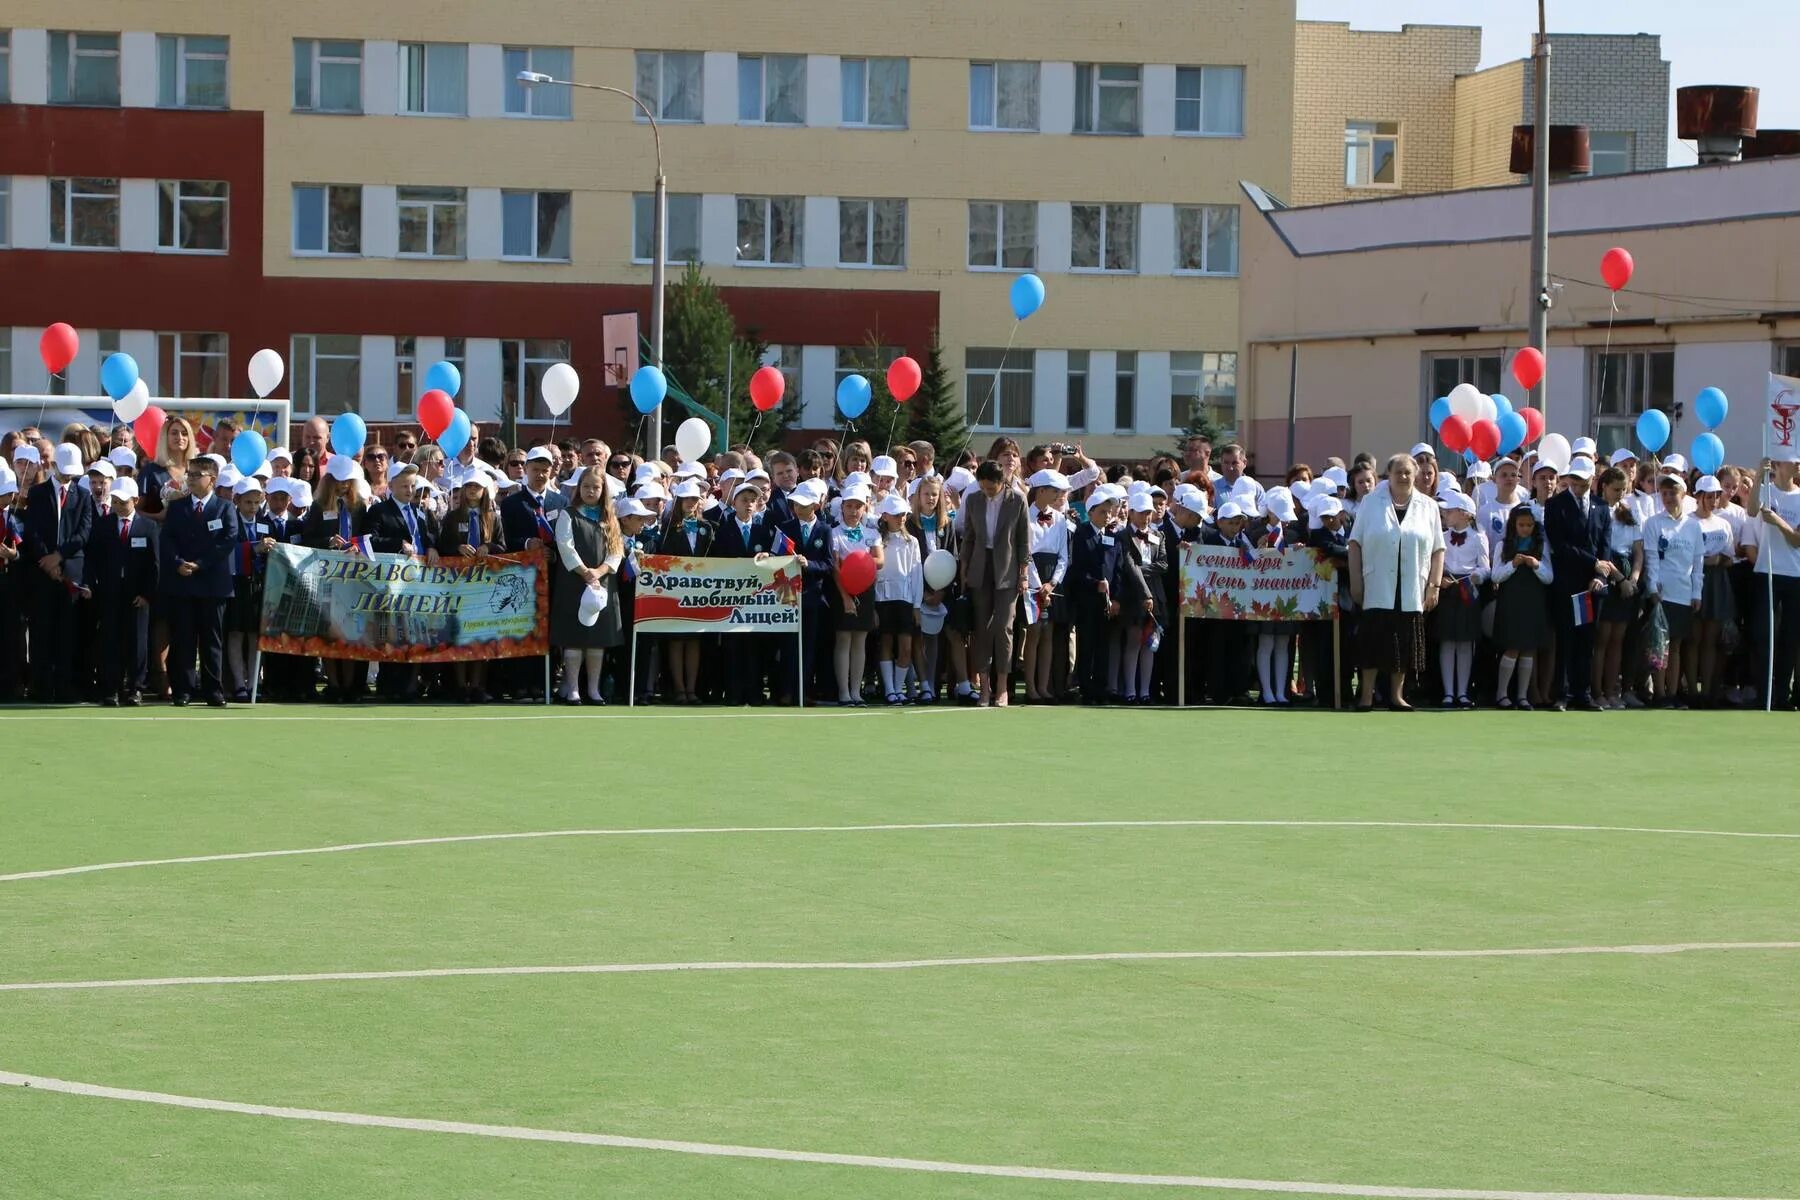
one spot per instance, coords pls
(1772, 143)
(1568, 150)
(1718, 118)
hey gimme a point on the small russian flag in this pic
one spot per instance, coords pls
(1587, 608)
(1466, 588)
(363, 546)
(1031, 607)
(246, 558)
(1246, 552)
(545, 534)
(783, 543)
(1280, 538)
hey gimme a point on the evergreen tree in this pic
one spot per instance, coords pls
(937, 414)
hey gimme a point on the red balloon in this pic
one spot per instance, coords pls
(1528, 367)
(1455, 433)
(148, 430)
(904, 377)
(1616, 267)
(436, 411)
(1484, 439)
(766, 388)
(856, 573)
(58, 347)
(1534, 424)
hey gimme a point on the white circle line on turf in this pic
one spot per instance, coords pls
(904, 964)
(932, 826)
(719, 1150)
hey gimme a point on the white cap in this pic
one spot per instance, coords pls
(1580, 468)
(1337, 477)
(593, 603)
(103, 467)
(1301, 489)
(1105, 493)
(507, 483)
(540, 454)
(27, 453)
(1584, 446)
(343, 468)
(279, 486)
(249, 483)
(301, 491)
(1245, 491)
(960, 480)
(1133, 487)
(1191, 498)
(9, 483)
(892, 506)
(1325, 506)
(1457, 502)
(229, 478)
(397, 468)
(690, 470)
(1422, 448)
(1231, 510)
(1708, 483)
(628, 506)
(1447, 486)
(685, 489)
(730, 475)
(1480, 470)
(756, 473)
(651, 491)
(1142, 502)
(280, 452)
(1674, 463)
(857, 491)
(219, 461)
(859, 479)
(121, 489)
(1624, 454)
(124, 458)
(68, 459)
(1050, 479)
(644, 472)
(265, 471)
(743, 487)
(1674, 481)
(808, 492)
(421, 486)
(885, 466)
(1279, 503)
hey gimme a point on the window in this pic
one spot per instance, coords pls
(784, 358)
(1443, 373)
(872, 233)
(868, 361)
(5, 221)
(558, 62)
(1003, 235)
(682, 244)
(1203, 387)
(406, 370)
(522, 367)
(1610, 153)
(874, 92)
(84, 213)
(1209, 100)
(772, 89)
(997, 390)
(1206, 238)
(1372, 154)
(1627, 384)
(192, 365)
(1125, 392)
(1078, 391)
(768, 230)
(327, 76)
(1790, 361)
(434, 79)
(325, 372)
(432, 222)
(327, 218)
(535, 225)
(191, 215)
(190, 71)
(1003, 95)
(5, 95)
(668, 82)
(1106, 99)
(1103, 237)
(84, 68)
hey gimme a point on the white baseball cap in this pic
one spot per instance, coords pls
(229, 478)
(690, 470)
(1584, 446)
(248, 484)
(280, 452)
(301, 491)
(1674, 463)
(856, 491)
(123, 458)
(1422, 448)
(1231, 510)
(685, 489)
(651, 491)
(1191, 498)
(1580, 468)
(121, 489)
(885, 466)
(1142, 502)
(1457, 502)
(9, 483)
(27, 454)
(1708, 483)
(397, 468)
(807, 491)
(1050, 479)
(630, 507)
(743, 487)
(68, 459)
(892, 506)
(102, 467)
(343, 469)
(1624, 454)
(540, 454)
(960, 480)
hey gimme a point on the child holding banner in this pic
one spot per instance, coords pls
(471, 529)
(688, 536)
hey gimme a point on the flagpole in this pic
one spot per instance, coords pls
(1761, 554)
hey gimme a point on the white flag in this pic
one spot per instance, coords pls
(1781, 421)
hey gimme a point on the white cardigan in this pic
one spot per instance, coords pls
(1397, 553)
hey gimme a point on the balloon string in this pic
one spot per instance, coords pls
(982, 412)
(1607, 351)
(892, 421)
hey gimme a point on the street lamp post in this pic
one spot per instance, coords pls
(658, 229)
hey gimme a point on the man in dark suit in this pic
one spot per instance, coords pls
(811, 539)
(1579, 528)
(59, 519)
(122, 574)
(528, 516)
(996, 547)
(200, 534)
(396, 525)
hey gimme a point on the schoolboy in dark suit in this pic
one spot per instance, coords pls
(59, 519)
(1579, 527)
(199, 536)
(122, 571)
(810, 536)
(1092, 582)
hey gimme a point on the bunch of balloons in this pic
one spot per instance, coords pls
(1708, 452)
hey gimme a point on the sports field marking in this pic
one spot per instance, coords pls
(904, 964)
(934, 826)
(717, 1150)
(621, 712)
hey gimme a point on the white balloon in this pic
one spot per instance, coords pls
(1489, 410)
(135, 403)
(940, 569)
(1553, 451)
(559, 388)
(1465, 402)
(266, 370)
(693, 439)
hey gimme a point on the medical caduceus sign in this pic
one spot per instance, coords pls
(1779, 427)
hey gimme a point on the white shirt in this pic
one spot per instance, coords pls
(1716, 535)
(1048, 539)
(1397, 553)
(1674, 555)
(1774, 553)
(1623, 537)
(901, 576)
(1469, 559)
(1491, 515)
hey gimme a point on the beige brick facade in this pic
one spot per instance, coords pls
(1487, 108)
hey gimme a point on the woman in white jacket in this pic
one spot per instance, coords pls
(1675, 551)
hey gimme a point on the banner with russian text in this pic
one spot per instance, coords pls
(394, 608)
(718, 595)
(1220, 583)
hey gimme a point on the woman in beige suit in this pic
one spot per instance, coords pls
(996, 548)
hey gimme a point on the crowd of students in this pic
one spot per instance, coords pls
(125, 578)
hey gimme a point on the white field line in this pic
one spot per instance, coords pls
(612, 712)
(240, 856)
(905, 964)
(717, 1150)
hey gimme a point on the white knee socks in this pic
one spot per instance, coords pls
(571, 680)
(596, 662)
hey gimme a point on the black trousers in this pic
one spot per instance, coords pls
(12, 636)
(124, 645)
(1093, 647)
(1787, 635)
(54, 634)
(1574, 653)
(196, 626)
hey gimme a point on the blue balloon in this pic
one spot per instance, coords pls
(348, 433)
(118, 375)
(1653, 430)
(1512, 431)
(1469, 457)
(456, 436)
(1502, 405)
(1440, 412)
(648, 387)
(1027, 295)
(1708, 454)
(249, 451)
(1711, 406)
(445, 378)
(853, 396)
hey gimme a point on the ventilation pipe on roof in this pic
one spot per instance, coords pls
(1569, 156)
(1717, 118)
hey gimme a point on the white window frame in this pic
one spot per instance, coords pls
(1097, 86)
(1626, 154)
(325, 191)
(537, 225)
(1481, 367)
(1202, 213)
(1107, 237)
(535, 97)
(174, 192)
(1204, 368)
(316, 59)
(1015, 363)
(171, 348)
(420, 53)
(642, 222)
(994, 67)
(70, 195)
(184, 54)
(528, 396)
(656, 103)
(431, 204)
(304, 358)
(846, 66)
(868, 209)
(1199, 102)
(768, 204)
(1636, 385)
(1361, 140)
(784, 357)
(75, 53)
(1001, 224)
(762, 79)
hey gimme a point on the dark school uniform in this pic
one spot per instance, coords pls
(524, 516)
(285, 676)
(249, 568)
(1578, 541)
(54, 526)
(204, 533)
(122, 568)
(1315, 637)
(812, 541)
(1230, 643)
(13, 604)
(1093, 560)
(747, 656)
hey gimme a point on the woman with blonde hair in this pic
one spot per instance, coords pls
(856, 456)
(591, 549)
(164, 477)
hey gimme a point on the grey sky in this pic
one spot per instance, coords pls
(1725, 41)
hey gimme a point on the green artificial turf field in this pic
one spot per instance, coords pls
(1623, 1074)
